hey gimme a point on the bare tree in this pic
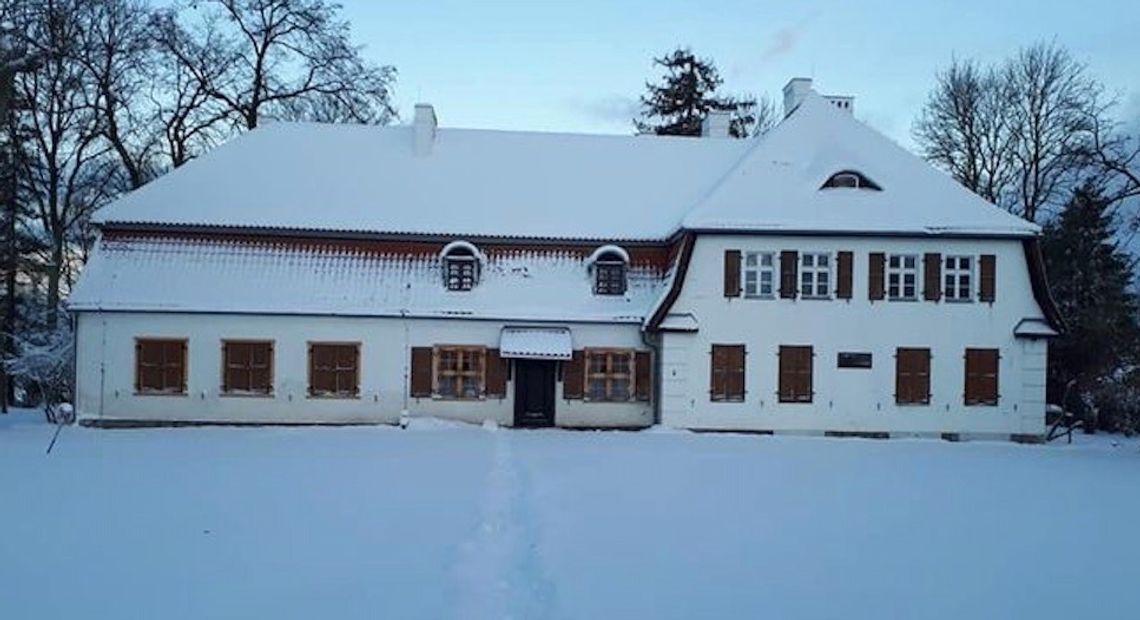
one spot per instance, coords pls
(963, 129)
(281, 59)
(1015, 133)
(64, 168)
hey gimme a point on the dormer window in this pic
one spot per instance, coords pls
(609, 264)
(461, 262)
(851, 180)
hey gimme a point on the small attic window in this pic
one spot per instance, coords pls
(850, 179)
(460, 266)
(609, 264)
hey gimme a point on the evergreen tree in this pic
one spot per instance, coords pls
(687, 93)
(1090, 278)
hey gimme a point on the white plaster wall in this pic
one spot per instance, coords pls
(105, 370)
(856, 400)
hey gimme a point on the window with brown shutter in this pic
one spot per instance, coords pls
(460, 372)
(982, 377)
(498, 370)
(932, 278)
(609, 375)
(912, 376)
(247, 367)
(795, 374)
(643, 371)
(726, 373)
(334, 369)
(732, 273)
(788, 273)
(844, 262)
(160, 366)
(420, 381)
(876, 275)
(574, 376)
(987, 279)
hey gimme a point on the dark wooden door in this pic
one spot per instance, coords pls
(534, 393)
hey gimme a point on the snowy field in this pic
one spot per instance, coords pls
(443, 521)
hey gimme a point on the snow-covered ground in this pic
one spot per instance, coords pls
(443, 521)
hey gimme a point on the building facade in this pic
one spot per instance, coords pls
(816, 279)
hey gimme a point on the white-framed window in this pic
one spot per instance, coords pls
(815, 274)
(958, 278)
(759, 274)
(902, 277)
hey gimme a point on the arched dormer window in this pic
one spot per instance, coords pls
(609, 263)
(461, 262)
(850, 179)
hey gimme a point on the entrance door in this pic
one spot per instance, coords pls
(534, 393)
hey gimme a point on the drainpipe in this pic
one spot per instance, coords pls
(651, 342)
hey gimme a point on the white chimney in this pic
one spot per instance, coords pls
(424, 126)
(716, 124)
(794, 93)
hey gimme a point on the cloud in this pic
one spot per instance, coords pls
(783, 42)
(609, 108)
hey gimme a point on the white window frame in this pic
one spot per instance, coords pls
(897, 273)
(814, 276)
(952, 278)
(752, 276)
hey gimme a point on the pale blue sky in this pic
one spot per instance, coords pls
(579, 66)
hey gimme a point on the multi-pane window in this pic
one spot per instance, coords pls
(461, 271)
(609, 277)
(958, 278)
(759, 274)
(247, 367)
(160, 366)
(609, 375)
(460, 372)
(334, 369)
(815, 274)
(902, 277)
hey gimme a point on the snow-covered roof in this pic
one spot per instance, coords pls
(473, 183)
(169, 275)
(776, 186)
(481, 183)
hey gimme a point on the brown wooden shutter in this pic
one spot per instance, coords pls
(982, 376)
(845, 263)
(795, 381)
(987, 285)
(912, 376)
(735, 374)
(643, 373)
(420, 384)
(932, 285)
(877, 265)
(497, 368)
(732, 273)
(574, 376)
(717, 369)
(789, 265)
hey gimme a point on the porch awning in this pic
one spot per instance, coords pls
(1034, 328)
(536, 343)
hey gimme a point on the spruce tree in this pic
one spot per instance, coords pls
(1091, 280)
(686, 94)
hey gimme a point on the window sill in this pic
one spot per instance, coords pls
(165, 394)
(225, 394)
(726, 400)
(815, 297)
(982, 404)
(764, 297)
(903, 299)
(913, 404)
(333, 397)
(783, 401)
(957, 301)
(605, 401)
(464, 399)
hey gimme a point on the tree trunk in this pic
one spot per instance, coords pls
(55, 272)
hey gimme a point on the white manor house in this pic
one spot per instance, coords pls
(819, 278)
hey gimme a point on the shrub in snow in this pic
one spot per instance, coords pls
(41, 365)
